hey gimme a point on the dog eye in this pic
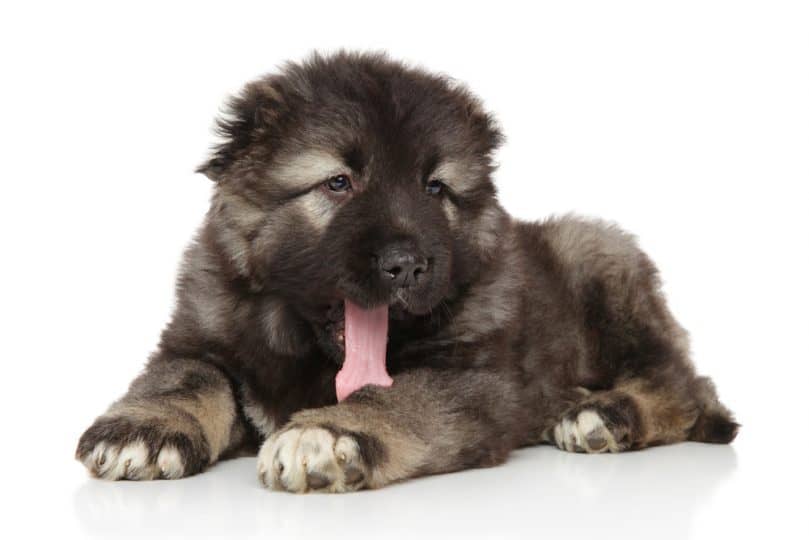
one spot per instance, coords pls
(434, 187)
(339, 183)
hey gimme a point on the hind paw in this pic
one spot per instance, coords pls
(586, 432)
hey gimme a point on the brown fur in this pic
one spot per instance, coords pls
(517, 334)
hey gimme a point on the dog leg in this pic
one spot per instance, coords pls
(178, 417)
(638, 413)
(428, 422)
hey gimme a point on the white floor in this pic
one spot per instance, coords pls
(684, 491)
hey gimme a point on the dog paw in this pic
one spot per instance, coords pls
(117, 448)
(586, 432)
(312, 459)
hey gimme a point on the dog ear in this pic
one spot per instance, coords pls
(246, 118)
(485, 126)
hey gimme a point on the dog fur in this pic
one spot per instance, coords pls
(518, 334)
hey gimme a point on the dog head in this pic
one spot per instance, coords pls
(355, 177)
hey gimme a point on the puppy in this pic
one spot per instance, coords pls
(354, 228)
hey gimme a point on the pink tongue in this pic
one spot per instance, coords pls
(366, 338)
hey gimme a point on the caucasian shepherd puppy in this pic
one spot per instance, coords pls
(354, 232)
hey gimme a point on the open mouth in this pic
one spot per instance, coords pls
(362, 334)
(336, 325)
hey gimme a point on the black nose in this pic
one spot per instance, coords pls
(401, 265)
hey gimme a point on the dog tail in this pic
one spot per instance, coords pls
(715, 423)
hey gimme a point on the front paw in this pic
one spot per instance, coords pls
(314, 458)
(127, 448)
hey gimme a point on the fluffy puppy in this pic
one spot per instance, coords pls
(354, 224)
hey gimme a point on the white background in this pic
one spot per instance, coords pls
(685, 122)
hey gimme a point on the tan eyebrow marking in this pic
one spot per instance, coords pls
(461, 177)
(306, 168)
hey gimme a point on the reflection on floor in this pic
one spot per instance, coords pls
(656, 492)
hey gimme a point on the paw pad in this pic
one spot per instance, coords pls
(311, 459)
(586, 432)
